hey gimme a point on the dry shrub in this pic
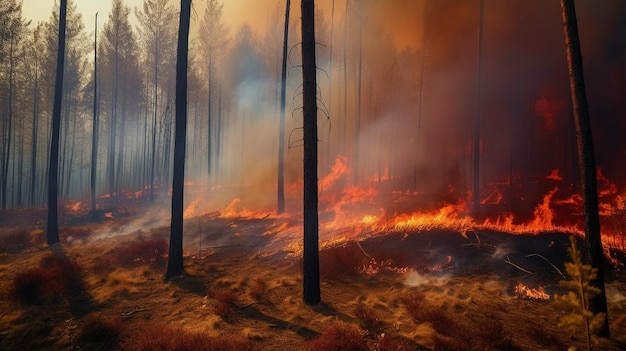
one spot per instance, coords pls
(338, 262)
(69, 234)
(369, 317)
(540, 333)
(165, 338)
(142, 251)
(101, 329)
(493, 336)
(14, 241)
(389, 343)
(48, 281)
(258, 288)
(226, 301)
(339, 336)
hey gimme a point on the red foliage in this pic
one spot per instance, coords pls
(101, 329)
(340, 336)
(389, 343)
(226, 301)
(14, 241)
(48, 281)
(368, 316)
(69, 234)
(165, 338)
(258, 288)
(142, 251)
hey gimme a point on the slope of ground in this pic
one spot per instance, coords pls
(423, 290)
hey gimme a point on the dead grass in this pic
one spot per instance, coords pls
(14, 241)
(370, 319)
(166, 338)
(141, 251)
(48, 282)
(260, 300)
(340, 336)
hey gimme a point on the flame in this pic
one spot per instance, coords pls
(337, 171)
(192, 209)
(555, 175)
(523, 292)
(75, 207)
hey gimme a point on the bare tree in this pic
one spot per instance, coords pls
(96, 122)
(52, 234)
(311, 269)
(281, 132)
(586, 158)
(212, 39)
(175, 258)
(477, 117)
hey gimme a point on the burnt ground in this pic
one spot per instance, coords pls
(470, 279)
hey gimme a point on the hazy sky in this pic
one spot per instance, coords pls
(235, 11)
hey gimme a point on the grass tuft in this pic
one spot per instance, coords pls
(48, 281)
(14, 241)
(369, 317)
(340, 336)
(258, 288)
(226, 301)
(166, 338)
(101, 329)
(142, 251)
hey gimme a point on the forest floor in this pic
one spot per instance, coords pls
(401, 290)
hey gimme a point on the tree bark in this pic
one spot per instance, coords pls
(586, 158)
(311, 274)
(281, 131)
(52, 233)
(478, 112)
(94, 137)
(175, 258)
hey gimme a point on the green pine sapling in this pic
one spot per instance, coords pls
(576, 301)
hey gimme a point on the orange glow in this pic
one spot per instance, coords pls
(555, 175)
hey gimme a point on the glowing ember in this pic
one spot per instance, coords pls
(191, 210)
(555, 175)
(75, 207)
(523, 292)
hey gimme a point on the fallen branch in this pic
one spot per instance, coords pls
(516, 266)
(126, 314)
(550, 263)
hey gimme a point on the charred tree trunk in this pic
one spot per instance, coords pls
(52, 233)
(281, 131)
(33, 165)
(311, 269)
(477, 120)
(96, 122)
(584, 142)
(175, 258)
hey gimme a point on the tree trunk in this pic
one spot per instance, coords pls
(52, 233)
(584, 142)
(96, 122)
(281, 132)
(477, 120)
(33, 158)
(311, 274)
(175, 258)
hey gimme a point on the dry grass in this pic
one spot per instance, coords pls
(370, 319)
(48, 282)
(260, 299)
(142, 251)
(166, 338)
(14, 241)
(340, 336)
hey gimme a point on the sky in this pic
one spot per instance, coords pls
(40, 10)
